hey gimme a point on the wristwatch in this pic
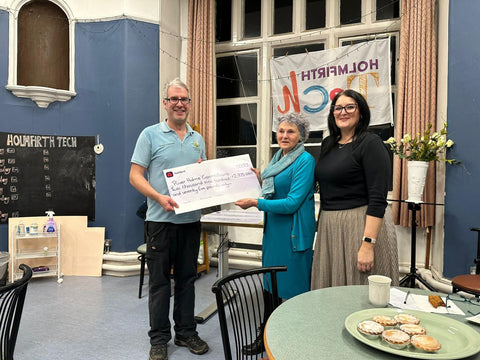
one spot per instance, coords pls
(369, 240)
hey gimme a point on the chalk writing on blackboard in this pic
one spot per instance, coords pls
(46, 172)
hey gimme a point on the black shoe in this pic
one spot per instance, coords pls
(196, 345)
(254, 348)
(158, 352)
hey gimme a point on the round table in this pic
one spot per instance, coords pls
(311, 326)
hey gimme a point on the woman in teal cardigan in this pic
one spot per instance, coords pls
(289, 208)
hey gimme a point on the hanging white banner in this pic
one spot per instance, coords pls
(306, 83)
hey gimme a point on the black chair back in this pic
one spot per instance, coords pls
(12, 298)
(249, 296)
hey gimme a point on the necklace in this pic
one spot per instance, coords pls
(341, 146)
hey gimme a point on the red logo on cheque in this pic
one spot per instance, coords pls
(169, 174)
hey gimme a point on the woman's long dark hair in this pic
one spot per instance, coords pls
(360, 129)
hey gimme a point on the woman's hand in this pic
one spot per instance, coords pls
(365, 257)
(366, 254)
(246, 203)
(257, 173)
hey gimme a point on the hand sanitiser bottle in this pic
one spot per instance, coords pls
(51, 225)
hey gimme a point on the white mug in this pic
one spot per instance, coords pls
(379, 290)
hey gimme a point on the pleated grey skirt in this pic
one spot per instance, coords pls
(339, 237)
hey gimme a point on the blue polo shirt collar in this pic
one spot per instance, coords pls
(165, 128)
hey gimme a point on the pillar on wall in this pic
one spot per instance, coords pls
(170, 45)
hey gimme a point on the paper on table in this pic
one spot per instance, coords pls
(475, 319)
(420, 303)
(234, 216)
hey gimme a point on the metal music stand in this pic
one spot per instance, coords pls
(412, 275)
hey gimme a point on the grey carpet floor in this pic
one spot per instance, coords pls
(101, 318)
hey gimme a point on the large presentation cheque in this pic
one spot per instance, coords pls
(212, 182)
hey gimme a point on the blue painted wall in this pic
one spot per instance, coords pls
(462, 209)
(116, 80)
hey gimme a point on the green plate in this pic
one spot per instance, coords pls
(458, 340)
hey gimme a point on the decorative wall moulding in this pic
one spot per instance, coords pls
(42, 96)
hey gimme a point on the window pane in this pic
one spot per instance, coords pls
(237, 76)
(283, 14)
(315, 14)
(393, 52)
(226, 152)
(314, 151)
(385, 131)
(237, 125)
(291, 50)
(386, 9)
(253, 17)
(223, 20)
(350, 11)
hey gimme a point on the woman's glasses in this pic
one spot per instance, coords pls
(461, 298)
(349, 108)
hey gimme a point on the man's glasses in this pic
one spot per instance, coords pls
(349, 108)
(174, 100)
(461, 298)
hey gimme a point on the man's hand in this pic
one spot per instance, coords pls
(167, 203)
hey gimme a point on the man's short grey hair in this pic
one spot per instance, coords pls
(297, 119)
(176, 83)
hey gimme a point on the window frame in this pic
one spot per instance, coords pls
(42, 96)
(241, 100)
(332, 36)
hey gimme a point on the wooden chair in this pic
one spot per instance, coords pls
(244, 294)
(12, 298)
(470, 283)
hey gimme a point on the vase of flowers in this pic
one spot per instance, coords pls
(420, 151)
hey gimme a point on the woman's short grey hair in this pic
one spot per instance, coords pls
(176, 83)
(297, 119)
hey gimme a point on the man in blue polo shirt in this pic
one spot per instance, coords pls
(171, 239)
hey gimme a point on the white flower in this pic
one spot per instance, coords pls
(407, 138)
(426, 146)
(442, 140)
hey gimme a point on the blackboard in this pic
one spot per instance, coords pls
(46, 172)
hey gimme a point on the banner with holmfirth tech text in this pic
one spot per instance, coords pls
(306, 83)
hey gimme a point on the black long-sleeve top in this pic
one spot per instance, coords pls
(355, 174)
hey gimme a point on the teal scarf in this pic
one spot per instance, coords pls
(276, 166)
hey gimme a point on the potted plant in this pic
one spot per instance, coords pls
(419, 151)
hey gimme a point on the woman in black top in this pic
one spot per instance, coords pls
(356, 236)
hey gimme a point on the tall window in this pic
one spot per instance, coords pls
(243, 51)
(237, 99)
